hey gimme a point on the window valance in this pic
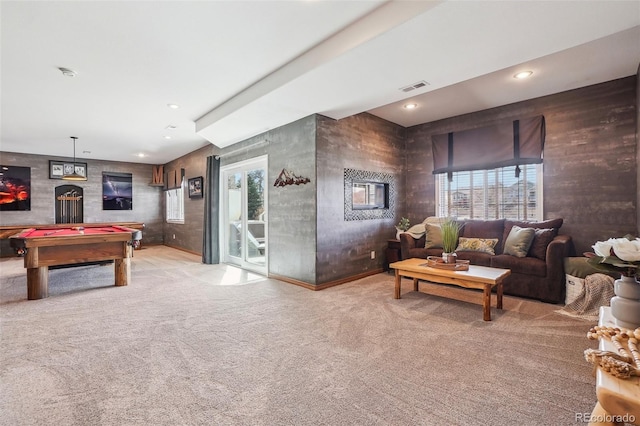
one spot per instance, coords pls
(510, 143)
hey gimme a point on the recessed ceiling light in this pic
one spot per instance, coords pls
(411, 106)
(86, 152)
(523, 74)
(141, 155)
(68, 72)
(173, 106)
(171, 127)
(167, 137)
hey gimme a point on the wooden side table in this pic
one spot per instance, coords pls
(392, 253)
(618, 399)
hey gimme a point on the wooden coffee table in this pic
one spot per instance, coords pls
(479, 277)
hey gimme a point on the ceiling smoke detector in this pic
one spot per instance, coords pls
(68, 72)
(414, 86)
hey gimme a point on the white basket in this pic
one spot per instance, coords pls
(574, 288)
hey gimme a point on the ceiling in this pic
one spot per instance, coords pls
(239, 68)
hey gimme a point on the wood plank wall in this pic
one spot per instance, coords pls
(590, 158)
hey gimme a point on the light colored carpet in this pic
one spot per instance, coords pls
(193, 344)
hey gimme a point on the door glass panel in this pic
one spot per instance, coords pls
(234, 214)
(244, 221)
(256, 217)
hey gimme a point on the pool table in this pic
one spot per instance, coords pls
(50, 246)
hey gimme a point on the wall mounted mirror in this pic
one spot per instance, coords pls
(370, 195)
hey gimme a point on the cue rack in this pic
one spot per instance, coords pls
(69, 204)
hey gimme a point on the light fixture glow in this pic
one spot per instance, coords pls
(167, 137)
(173, 106)
(523, 74)
(411, 106)
(141, 155)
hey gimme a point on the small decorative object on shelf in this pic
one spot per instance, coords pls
(621, 255)
(157, 176)
(402, 226)
(450, 230)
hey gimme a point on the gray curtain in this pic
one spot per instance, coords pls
(210, 240)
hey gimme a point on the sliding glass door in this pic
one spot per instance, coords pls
(244, 219)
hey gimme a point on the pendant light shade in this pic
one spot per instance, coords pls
(74, 175)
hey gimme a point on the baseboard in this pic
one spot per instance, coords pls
(182, 249)
(322, 286)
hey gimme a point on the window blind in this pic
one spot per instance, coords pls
(510, 143)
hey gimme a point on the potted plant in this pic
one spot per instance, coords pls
(450, 230)
(402, 226)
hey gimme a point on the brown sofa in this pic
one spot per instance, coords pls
(539, 275)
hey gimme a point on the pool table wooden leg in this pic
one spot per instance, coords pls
(37, 283)
(123, 271)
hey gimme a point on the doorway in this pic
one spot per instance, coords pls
(244, 214)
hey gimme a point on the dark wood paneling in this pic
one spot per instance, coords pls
(590, 159)
(361, 142)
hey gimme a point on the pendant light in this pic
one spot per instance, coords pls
(74, 175)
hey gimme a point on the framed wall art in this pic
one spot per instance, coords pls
(117, 191)
(15, 188)
(195, 187)
(58, 169)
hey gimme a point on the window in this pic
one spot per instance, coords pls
(491, 194)
(174, 200)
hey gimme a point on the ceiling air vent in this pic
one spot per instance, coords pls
(414, 86)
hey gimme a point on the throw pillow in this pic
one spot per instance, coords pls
(540, 242)
(485, 245)
(519, 241)
(434, 236)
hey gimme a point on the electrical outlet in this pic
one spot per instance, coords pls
(373, 254)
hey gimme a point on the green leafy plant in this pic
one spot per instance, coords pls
(450, 230)
(404, 224)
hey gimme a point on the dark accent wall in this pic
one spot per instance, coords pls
(147, 200)
(590, 158)
(361, 142)
(188, 235)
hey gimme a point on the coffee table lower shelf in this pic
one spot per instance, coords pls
(478, 277)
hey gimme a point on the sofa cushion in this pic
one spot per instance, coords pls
(485, 245)
(519, 241)
(434, 236)
(540, 242)
(485, 229)
(520, 265)
(475, 257)
(542, 239)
